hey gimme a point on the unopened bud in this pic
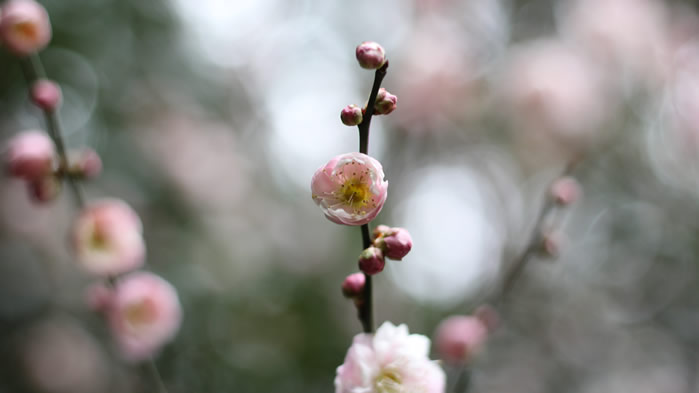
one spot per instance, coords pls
(395, 244)
(85, 164)
(46, 94)
(30, 155)
(458, 338)
(351, 115)
(44, 189)
(551, 244)
(370, 55)
(371, 261)
(381, 230)
(353, 285)
(565, 191)
(385, 102)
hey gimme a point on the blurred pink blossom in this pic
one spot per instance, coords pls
(46, 94)
(24, 26)
(30, 155)
(353, 285)
(350, 189)
(565, 190)
(144, 314)
(108, 238)
(391, 360)
(458, 338)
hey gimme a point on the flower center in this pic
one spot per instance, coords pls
(140, 314)
(388, 381)
(27, 29)
(355, 193)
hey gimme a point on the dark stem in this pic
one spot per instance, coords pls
(365, 309)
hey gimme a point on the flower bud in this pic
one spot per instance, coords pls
(24, 26)
(46, 94)
(30, 155)
(371, 261)
(551, 244)
(351, 115)
(353, 285)
(85, 164)
(370, 55)
(385, 102)
(458, 338)
(395, 244)
(565, 191)
(381, 230)
(108, 238)
(44, 189)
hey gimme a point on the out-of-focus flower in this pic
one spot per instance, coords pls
(628, 35)
(392, 360)
(24, 26)
(351, 115)
(353, 285)
(551, 243)
(394, 242)
(44, 189)
(553, 93)
(30, 155)
(565, 191)
(458, 338)
(371, 261)
(350, 189)
(385, 102)
(370, 55)
(85, 163)
(108, 239)
(144, 314)
(46, 94)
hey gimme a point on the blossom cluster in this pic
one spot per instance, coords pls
(142, 309)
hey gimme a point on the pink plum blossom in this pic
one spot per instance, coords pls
(350, 189)
(391, 360)
(385, 102)
(108, 238)
(460, 337)
(144, 313)
(30, 155)
(351, 115)
(565, 190)
(24, 26)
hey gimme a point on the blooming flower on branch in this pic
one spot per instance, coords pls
(108, 238)
(391, 360)
(144, 313)
(350, 189)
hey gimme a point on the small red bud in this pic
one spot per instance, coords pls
(371, 261)
(370, 55)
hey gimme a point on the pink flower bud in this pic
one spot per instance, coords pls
(381, 230)
(351, 115)
(108, 240)
(395, 244)
(371, 261)
(565, 191)
(353, 285)
(30, 155)
(24, 26)
(46, 94)
(458, 338)
(370, 55)
(144, 313)
(44, 189)
(551, 243)
(385, 102)
(85, 163)
(350, 189)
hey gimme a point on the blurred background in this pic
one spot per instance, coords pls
(211, 117)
